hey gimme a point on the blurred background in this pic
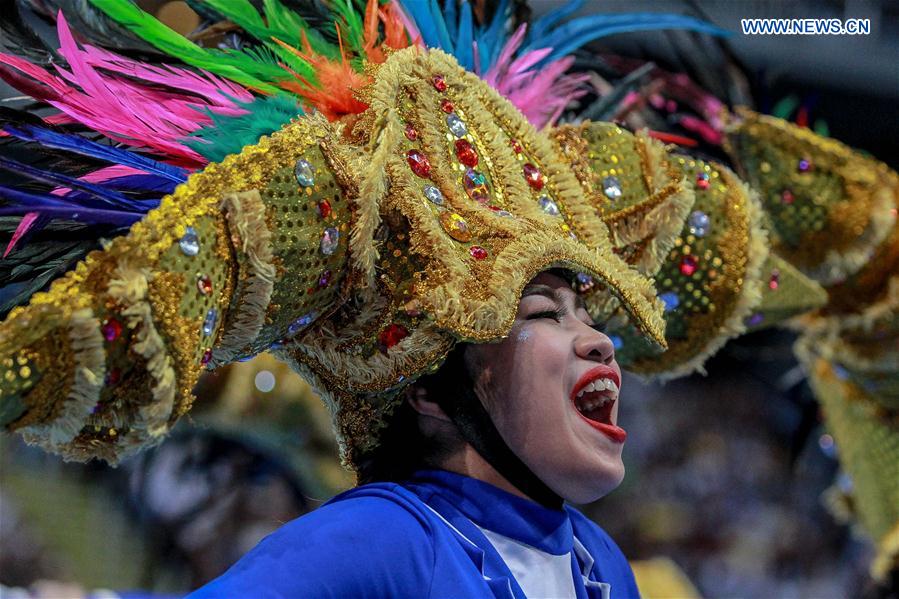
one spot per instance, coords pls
(731, 475)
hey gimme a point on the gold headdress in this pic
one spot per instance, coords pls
(694, 227)
(360, 252)
(833, 211)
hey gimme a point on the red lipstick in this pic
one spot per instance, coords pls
(615, 433)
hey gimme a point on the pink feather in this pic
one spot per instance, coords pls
(144, 106)
(102, 175)
(541, 94)
(409, 24)
(21, 229)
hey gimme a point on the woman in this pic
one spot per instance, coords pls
(362, 253)
(471, 505)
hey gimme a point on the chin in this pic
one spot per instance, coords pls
(591, 485)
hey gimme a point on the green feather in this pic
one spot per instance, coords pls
(230, 134)
(243, 14)
(252, 69)
(353, 28)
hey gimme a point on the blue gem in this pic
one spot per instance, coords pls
(212, 317)
(548, 206)
(699, 223)
(297, 325)
(304, 173)
(671, 300)
(330, 241)
(190, 242)
(755, 320)
(456, 126)
(584, 282)
(433, 194)
(617, 342)
(840, 371)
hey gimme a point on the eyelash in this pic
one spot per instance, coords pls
(557, 316)
(554, 314)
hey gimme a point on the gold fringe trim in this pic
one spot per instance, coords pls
(130, 288)
(887, 558)
(837, 265)
(750, 295)
(245, 214)
(385, 137)
(86, 344)
(668, 209)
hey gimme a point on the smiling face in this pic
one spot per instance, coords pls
(551, 389)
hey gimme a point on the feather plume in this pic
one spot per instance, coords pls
(152, 115)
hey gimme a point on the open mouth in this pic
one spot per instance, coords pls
(594, 398)
(596, 403)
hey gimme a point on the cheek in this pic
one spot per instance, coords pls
(527, 382)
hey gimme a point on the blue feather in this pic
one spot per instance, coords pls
(89, 190)
(464, 38)
(572, 35)
(537, 29)
(451, 18)
(51, 207)
(492, 39)
(443, 36)
(143, 183)
(86, 147)
(425, 20)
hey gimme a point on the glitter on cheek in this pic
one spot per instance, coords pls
(524, 335)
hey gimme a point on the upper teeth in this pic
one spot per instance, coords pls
(600, 385)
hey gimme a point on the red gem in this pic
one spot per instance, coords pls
(324, 208)
(702, 180)
(466, 153)
(787, 196)
(477, 252)
(689, 265)
(446, 106)
(113, 376)
(774, 281)
(419, 163)
(533, 176)
(324, 279)
(516, 147)
(392, 335)
(439, 83)
(204, 284)
(207, 355)
(411, 133)
(111, 329)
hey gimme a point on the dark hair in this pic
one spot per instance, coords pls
(404, 447)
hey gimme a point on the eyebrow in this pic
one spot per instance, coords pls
(549, 292)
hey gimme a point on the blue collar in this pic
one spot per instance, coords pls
(498, 511)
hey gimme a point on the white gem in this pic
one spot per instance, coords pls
(456, 126)
(330, 240)
(548, 206)
(433, 194)
(304, 173)
(611, 186)
(190, 242)
(209, 322)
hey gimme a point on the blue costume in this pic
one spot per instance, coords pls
(423, 538)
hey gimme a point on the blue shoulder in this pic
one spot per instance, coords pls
(371, 541)
(611, 566)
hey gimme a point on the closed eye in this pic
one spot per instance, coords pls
(553, 314)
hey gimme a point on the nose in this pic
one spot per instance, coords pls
(592, 344)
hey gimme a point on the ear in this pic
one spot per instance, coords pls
(418, 399)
